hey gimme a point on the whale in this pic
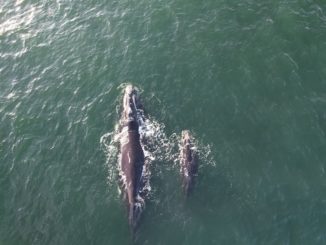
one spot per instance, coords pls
(188, 162)
(132, 159)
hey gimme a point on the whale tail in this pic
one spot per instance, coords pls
(131, 215)
(135, 210)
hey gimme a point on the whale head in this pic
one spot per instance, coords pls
(131, 103)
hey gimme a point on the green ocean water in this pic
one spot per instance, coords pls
(248, 78)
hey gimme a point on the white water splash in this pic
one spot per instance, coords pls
(204, 151)
(156, 144)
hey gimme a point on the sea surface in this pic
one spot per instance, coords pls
(248, 78)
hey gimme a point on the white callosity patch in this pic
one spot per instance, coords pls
(127, 110)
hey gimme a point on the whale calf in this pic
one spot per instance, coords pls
(132, 158)
(188, 162)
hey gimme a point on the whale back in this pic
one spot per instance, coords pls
(188, 162)
(132, 157)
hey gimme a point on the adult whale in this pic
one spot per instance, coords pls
(132, 158)
(188, 162)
